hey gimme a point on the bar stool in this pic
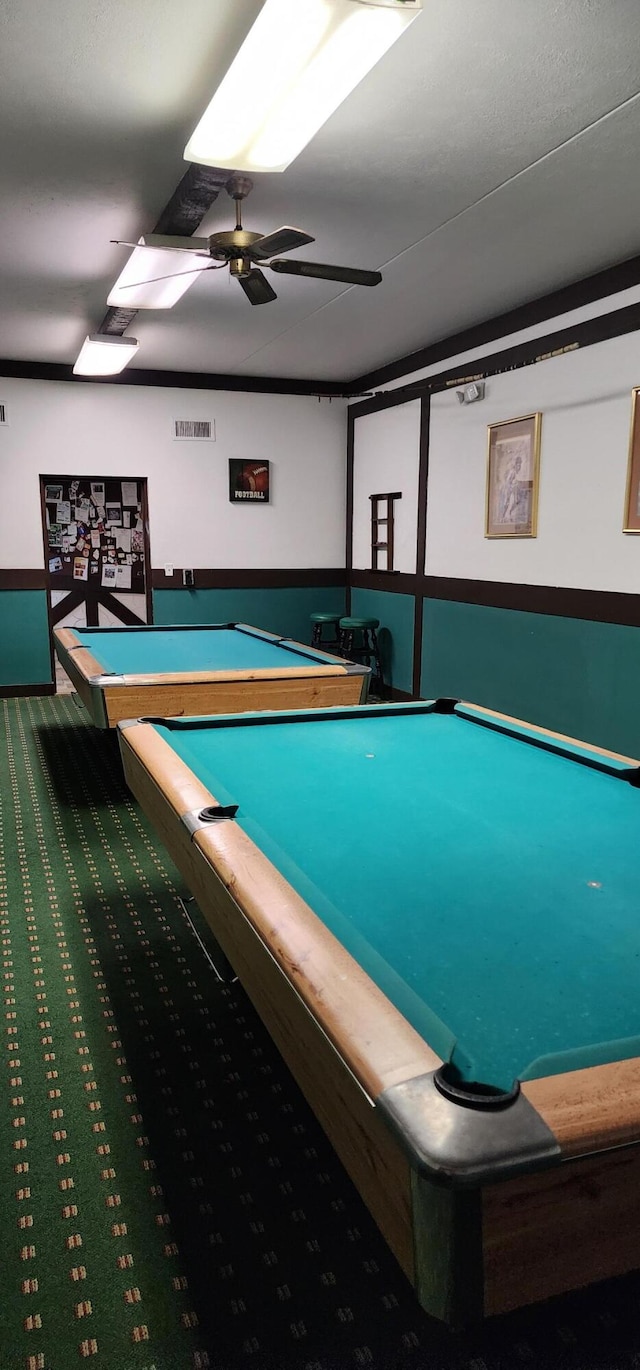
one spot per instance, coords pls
(329, 623)
(359, 642)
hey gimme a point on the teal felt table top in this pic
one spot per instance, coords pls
(489, 886)
(148, 650)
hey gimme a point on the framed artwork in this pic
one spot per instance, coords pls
(513, 462)
(631, 523)
(248, 482)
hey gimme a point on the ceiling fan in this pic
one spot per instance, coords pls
(245, 252)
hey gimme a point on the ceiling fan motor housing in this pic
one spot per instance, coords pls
(233, 246)
(240, 266)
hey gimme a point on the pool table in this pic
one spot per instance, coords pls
(220, 668)
(435, 910)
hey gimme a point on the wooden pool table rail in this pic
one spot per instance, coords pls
(548, 732)
(592, 1109)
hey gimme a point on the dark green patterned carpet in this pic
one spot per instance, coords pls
(168, 1200)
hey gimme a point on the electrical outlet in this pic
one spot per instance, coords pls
(187, 578)
(168, 570)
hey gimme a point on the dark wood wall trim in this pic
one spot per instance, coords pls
(394, 582)
(349, 530)
(23, 580)
(122, 611)
(421, 536)
(585, 291)
(64, 606)
(205, 579)
(225, 579)
(599, 606)
(182, 380)
(13, 691)
(388, 399)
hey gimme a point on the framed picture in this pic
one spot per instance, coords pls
(513, 461)
(631, 523)
(248, 482)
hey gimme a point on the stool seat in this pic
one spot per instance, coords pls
(325, 618)
(354, 623)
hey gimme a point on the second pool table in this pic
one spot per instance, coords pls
(435, 910)
(219, 668)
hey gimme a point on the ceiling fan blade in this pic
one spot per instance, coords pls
(283, 239)
(351, 275)
(174, 244)
(256, 288)
(323, 271)
(197, 271)
(199, 247)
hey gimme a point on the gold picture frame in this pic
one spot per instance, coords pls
(631, 520)
(513, 473)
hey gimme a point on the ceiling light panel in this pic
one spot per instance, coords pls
(103, 355)
(296, 66)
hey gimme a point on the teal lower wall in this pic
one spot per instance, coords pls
(284, 611)
(287, 611)
(395, 634)
(572, 675)
(24, 634)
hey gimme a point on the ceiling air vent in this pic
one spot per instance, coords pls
(194, 430)
(3, 415)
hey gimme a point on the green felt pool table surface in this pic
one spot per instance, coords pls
(488, 886)
(156, 650)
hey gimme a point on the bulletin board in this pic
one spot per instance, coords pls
(95, 534)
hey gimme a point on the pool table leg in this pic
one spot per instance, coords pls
(220, 964)
(448, 1264)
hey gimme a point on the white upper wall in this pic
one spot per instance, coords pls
(585, 401)
(103, 430)
(386, 459)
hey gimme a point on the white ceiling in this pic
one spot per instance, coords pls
(492, 156)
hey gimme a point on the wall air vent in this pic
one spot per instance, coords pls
(194, 430)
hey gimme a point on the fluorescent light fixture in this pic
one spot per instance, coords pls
(154, 278)
(104, 355)
(297, 64)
